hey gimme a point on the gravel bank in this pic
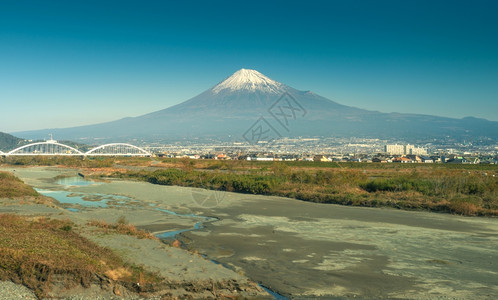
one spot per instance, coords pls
(12, 291)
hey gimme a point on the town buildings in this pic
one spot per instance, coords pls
(407, 149)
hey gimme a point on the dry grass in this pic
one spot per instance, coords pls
(458, 189)
(122, 227)
(13, 187)
(463, 189)
(34, 251)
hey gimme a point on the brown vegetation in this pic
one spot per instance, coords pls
(35, 251)
(458, 189)
(465, 189)
(122, 227)
(13, 187)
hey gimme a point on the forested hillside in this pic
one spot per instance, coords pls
(9, 142)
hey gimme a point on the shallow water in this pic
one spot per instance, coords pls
(174, 233)
(84, 199)
(75, 181)
(99, 200)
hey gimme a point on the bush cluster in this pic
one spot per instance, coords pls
(446, 190)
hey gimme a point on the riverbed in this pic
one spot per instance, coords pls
(302, 249)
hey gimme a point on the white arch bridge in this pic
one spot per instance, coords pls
(52, 147)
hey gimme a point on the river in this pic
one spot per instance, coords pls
(302, 249)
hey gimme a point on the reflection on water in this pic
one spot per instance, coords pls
(275, 295)
(173, 234)
(75, 181)
(84, 199)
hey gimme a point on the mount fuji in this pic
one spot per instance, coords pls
(235, 106)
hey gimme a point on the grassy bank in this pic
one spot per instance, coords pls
(13, 187)
(37, 252)
(34, 252)
(68, 161)
(458, 189)
(463, 191)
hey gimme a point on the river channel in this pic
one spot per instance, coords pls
(76, 201)
(300, 249)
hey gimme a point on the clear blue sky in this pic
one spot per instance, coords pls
(68, 63)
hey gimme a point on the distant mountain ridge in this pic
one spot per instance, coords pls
(234, 106)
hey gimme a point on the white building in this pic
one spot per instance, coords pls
(417, 151)
(404, 150)
(395, 149)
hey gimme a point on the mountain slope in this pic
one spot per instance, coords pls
(9, 142)
(245, 93)
(232, 106)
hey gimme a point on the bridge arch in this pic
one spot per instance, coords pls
(117, 149)
(45, 148)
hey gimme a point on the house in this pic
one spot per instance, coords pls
(457, 160)
(414, 158)
(473, 160)
(321, 158)
(379, 159)
(437, 159)
(288, 157)
(221, 156)
(402, 159)
(426, 159)
(264, 158)
(260, 157)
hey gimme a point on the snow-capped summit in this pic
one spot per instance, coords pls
(250, 80)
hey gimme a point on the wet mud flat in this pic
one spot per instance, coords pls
(302, 249)
(308, 250)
